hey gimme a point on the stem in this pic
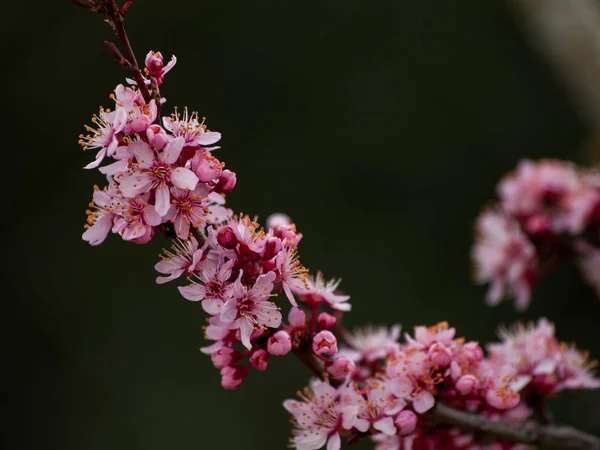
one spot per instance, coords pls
(114, 17)
(557, 437)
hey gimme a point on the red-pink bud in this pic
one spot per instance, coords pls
(272, 248)
(325, 321)
(406, 422)
(466, 384)
(155, 64)
(222, 357)
(233, 376)
(279, 344)
(297, 318)
(157, 137)
(341, 368)
(440, 355)
(226, 238)
(473, 351)
(324, 343)
(226, 182)
(259, 360)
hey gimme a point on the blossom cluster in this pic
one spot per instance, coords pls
(548, 211)
(161, 176)
(237, 275)
(405, 380)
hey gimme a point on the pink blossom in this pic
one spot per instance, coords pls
(297, 318)
(106, 202)
(317, 291)
(280, 343)
(193, 132)
(206, 167)
(326, 321)
(250, 237)
(226, 182)
(284, 229)
(157, 170)
(105, 137)
(425, 337)
(210, 285)
(372, 343)
(324, 343)
(157, 137)
(137, 220)
(319, 418)
(188, 209)
(505, 257)
(498, 385)
(223, 357)
(291, 272)
(233, 377)
(183, 258)
(466, 384)
(250, 308)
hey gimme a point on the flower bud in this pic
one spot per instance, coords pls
(226, 238)
(226, 182)
(222, 357)
(324, 343)
(297, 318)
(87, 4)
(233, 376)
(157, 137)
(259, 360)
(440, 355)
(341, 368)
(466, 384)
(406, 422)
(155, 64)
(279, 344)
(206, 167)
(473, 351)
(277, 220)
(272, 248)
(325, 321)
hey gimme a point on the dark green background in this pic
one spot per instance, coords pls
(381, 127)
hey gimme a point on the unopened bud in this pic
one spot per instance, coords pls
(222, 357)
(280, 343)
(226, 182)
(297, 318)
(259, 360)
(155, 64)
(325, 321)
(324, 343)
(440, 355)
(406, 422)
(341, 368)
(466, 384)
(272, 248)
(226, 238)
(233, 376)
(157, 137)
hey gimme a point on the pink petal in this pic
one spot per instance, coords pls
(172, 151)
(193, 292)
(115, 168)
(288, 292)
(423, 402)
(98, 160)
(182, 227)
(184, 178)
(144, 155)
(120, 120)
(334, 442)
(96, 234)
(174, 275)
(246, 330)
(212, 306)
(362, 425)
(151, 216)
(208, 138)
(163, 199)
(229, 311)
(135, 184)
(386, 426)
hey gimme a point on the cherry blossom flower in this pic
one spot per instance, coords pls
(156, 170)
(505, 257)
(105, 137)
(291, 272)
(106, 202)
(188, 209)
(183, 258)
(250, 308)
(137, 220)
(193, 132)
(210, 285)
(371, 343)
(317, 291)
(155, 66)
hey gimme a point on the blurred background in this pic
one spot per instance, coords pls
(380, 127)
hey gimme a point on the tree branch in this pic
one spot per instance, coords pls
(557, 437)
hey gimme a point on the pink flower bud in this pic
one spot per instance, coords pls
(341, 368)
(440, 355)
(406, 422)
(297, 318)
(466, 384)
(226, 182)
(325, 321)
(473, 351)
(324, 343)
(222, 357)
(157, 137)
(155, 64)
(279, 344)
(272, 248)
(259, 360)
(233, 376)
(206, 167)
(226, 238)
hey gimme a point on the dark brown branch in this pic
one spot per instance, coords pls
(550, 436)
